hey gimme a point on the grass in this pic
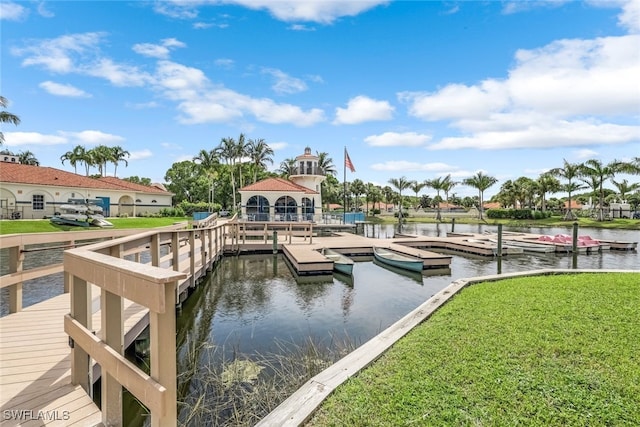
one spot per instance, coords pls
(45, 226)
(553, 351)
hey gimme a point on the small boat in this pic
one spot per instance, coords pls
(341, 263)
(80, 213)
(413, 275)
(529, 247)
(396, 259)
(493, 245)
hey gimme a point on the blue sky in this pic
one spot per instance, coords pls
(414, 89)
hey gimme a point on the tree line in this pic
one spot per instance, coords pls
(215, 175)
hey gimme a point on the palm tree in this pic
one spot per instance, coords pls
(481, 182)
(547, 183)
(625, 188)
(416, 187)
(357, 188)
(401, 184)
(568, 171)
(100, 156)
(75, 156)
(599, 174)
(447, 186)
(437, 184)
(227, 150)
(260, 154)
(288, 167)
(325, 164)
(6, 117)
(118, 155)
(28, 158)
(241, 152)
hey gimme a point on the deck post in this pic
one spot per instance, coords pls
(162, 344)
(192, 258)
(81, 312)
(111, 314)
(155, 250)
(175, 251)
(16, 258)
(112, 306)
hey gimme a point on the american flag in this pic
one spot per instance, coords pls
(347, 161)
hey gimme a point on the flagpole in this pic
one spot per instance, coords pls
(344, 183)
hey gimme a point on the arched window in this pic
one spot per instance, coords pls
(286, 208)
(308, 208)
(258, 208)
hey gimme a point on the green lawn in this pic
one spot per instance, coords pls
(45, 226)
(544, 351)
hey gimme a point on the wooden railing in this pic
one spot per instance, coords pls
(242, 231)
(18, 245)
(149, 277)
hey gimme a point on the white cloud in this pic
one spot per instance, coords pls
(13, 139)
(275, 146)
(63, 90)
(363, 109)
(117, 74)
(224, 63)
(321, 11)
(300, 27)
(543, 134)
(10, 11)
(630, 16)
(92, 137)
(43, 11)
(59, 54)
(139, 155)
(284, 83)
(160, 51)
(142, 105)
(394, 139)
(203, 102)
(567, 93)
(403, 165)
(457, 101)
(585, 153)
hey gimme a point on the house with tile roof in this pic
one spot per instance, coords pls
(35, 192)
(277, 199)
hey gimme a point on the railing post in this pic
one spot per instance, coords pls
(81, 312)
(154, 250)
(310, 233)
(111, 314)
(16, 258)
(162, 344)
(175, 251)
(192, 258)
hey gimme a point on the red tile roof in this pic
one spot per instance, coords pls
(39, 175)
(277, 184)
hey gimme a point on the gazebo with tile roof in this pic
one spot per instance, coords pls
(295, 199)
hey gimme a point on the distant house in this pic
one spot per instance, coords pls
(492, 205)
(36, 192)
(295, 199)
(574, 204)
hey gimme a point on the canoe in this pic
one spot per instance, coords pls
(341, 263)
(413, 275)
(396, 259)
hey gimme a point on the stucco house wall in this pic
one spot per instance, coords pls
(34, 192)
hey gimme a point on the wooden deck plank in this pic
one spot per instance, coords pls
(35, 365)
